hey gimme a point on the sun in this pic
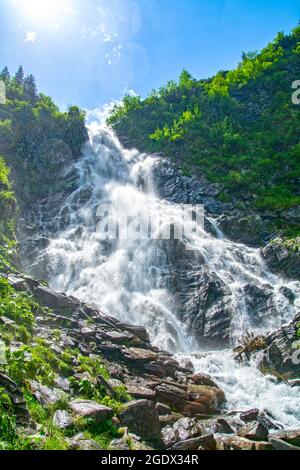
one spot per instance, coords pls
(40, 10)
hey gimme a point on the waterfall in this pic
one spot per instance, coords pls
(130, 278)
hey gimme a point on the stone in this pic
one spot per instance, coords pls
(62, 419)
(162, 409)
(141, 418)
(79, 442)
(91, 409)
(202, 379)
(282, 260)
(279, 444)
(223, 427)
(211, 398)
(239, 443)
(171, 396)
(119, 444)
(138, 354)
(254, 431)
(52, 299)
(182, 430)
(137, 391)
(189, 444)
(45, 395)
(291, 437)
(250, 415)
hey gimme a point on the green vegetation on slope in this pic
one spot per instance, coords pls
(36, 139)
(239, 128)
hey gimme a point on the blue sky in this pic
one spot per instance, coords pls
(88, 52)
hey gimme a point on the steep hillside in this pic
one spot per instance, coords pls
(38, 142)
(240, 129)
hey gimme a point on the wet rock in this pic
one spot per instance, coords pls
(223, 427)
(248, 230)
(281, 259)
(250, 415)
(254, 431)
(203, 301)
(259, 301)
(141, 418)
(62, 419)
(91, 409)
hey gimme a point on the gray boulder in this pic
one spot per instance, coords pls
(142, 419)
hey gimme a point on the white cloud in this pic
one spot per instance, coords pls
(31, 36)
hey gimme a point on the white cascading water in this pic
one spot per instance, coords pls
(125, 277)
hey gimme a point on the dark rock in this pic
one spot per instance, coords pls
(291, 437)
(171, 396)
(248, 230)
(254, 431)
(248, 416)
(281, 259)
(141, 418)
(223, 427)
(162, 409)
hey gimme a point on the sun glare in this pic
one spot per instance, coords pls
(40, 10)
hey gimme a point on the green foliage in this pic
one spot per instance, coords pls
(36, 138)
(239, 128)
(16, 306)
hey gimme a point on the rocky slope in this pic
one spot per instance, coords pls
(108, 387)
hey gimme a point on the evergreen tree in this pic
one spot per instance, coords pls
(5, 75)
(19, 77)
(30, 88)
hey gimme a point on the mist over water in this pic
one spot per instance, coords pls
(126, 278)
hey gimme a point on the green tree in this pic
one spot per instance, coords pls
(5, 75)
(19, 77)
(30, 88)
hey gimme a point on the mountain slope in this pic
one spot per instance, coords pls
(240, 129)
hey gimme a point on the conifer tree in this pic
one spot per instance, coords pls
(19, 77)
(30, 88)
(5, 75)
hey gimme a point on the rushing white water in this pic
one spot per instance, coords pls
(126, 277)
